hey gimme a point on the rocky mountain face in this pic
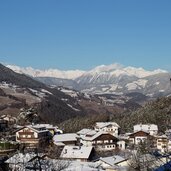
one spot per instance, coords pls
(112, 79)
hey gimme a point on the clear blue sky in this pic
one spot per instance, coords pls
(71, 34)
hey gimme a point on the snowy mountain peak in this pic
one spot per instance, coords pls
(106, 68)
(140, 72)
(117, 70)
(70, 74)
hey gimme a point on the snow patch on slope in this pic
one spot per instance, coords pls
(132, 86)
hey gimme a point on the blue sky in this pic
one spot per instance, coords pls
(81, 34)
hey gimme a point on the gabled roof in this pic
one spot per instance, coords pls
(38, 130)
(104, 124)
(65, 137)
(146, 127)
(161, 137)
(86, 131)
(59, 144)
(48, 126)
(112, 160)
(76, 152)
(96, 136)
(138, 132)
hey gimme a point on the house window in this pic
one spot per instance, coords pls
(99, 142)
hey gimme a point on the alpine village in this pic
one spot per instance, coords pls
(40, 132)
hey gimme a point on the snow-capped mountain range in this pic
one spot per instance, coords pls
(105, 79)
(71, 74)
(108, 70)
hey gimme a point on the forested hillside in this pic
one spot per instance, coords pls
(154, 112)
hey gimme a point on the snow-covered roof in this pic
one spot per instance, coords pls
(104, 124)
(87, 138)
(48, 126)
(59, 143)
(112, 160)
(146, 127)
(70, 165)
(76, 152)
(36, 129)
(82, 168)
(65, 137)
(86, 131)
(161, 136)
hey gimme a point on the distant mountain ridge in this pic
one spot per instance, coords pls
(71, 74)
(111, 70)
(106, 79)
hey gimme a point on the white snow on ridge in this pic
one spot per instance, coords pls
(45, 91)
(106, 73)
(38, 93)
(73, 107)
(103, 70)
(71, 74)
(140, 72)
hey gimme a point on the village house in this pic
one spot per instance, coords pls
(152, 129)
(66, 139)
(86, 132)
(32, 136)
(163, 143)
(78, 153)
(52, 129)
(139, 136)
(113, 163)
(110, 127)
(100, 141)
